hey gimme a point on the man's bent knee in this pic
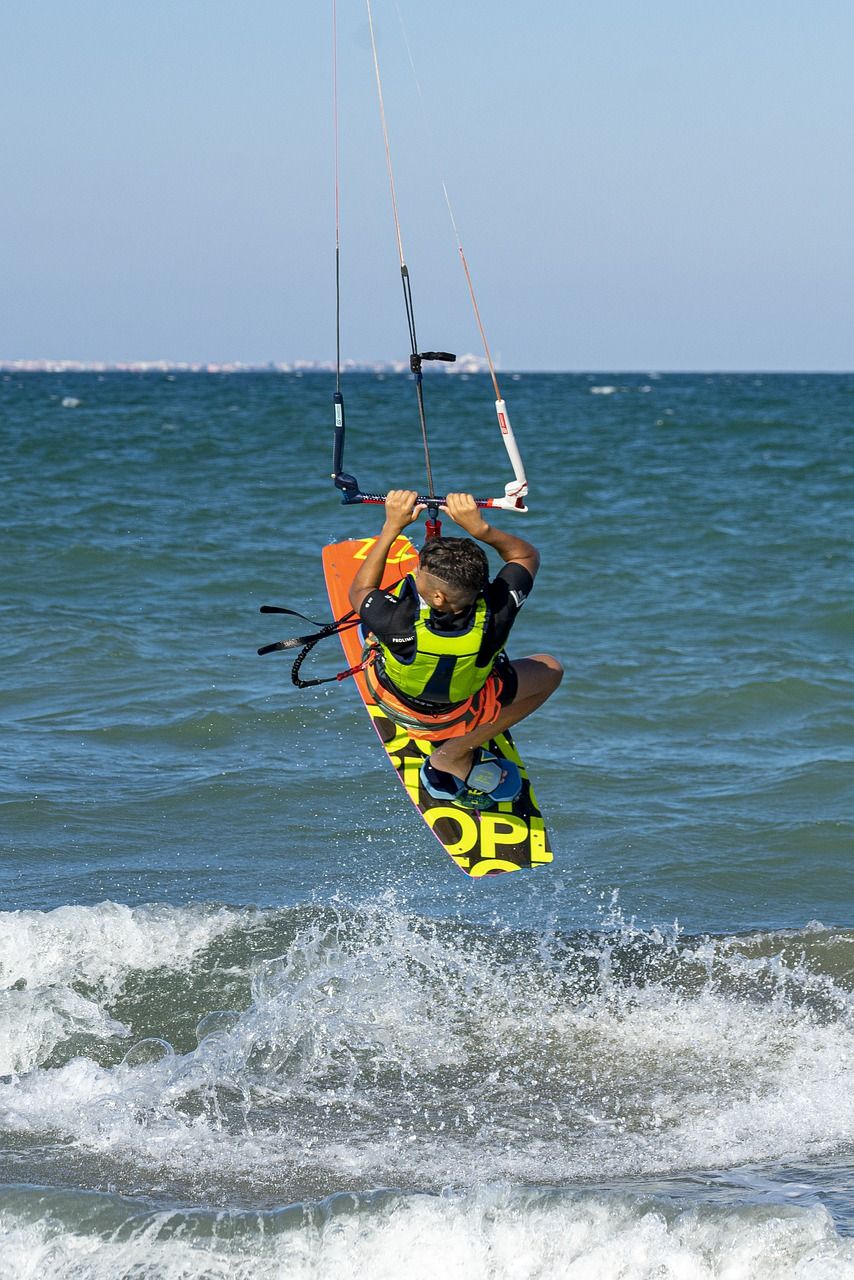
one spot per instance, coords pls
(554, 668)
(539, 673)
(549, 660)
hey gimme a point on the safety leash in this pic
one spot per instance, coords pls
(345, 623)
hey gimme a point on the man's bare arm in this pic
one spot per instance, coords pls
(463, 510)
(400, 510)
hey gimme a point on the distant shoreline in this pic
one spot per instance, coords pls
(463, 364)
(466, 364)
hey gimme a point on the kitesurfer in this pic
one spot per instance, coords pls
(438, 665)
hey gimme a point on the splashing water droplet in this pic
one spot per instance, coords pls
(146, 1052)
(218, 1022)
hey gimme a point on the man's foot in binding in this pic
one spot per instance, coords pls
(491, 780)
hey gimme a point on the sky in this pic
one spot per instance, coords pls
(638, 184)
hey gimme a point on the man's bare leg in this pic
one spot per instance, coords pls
(539, 676)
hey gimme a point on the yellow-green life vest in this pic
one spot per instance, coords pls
(444, 668)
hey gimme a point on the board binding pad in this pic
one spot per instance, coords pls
(507, 837)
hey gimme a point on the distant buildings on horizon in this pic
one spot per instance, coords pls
(464, 364)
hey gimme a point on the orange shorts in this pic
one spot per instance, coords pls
(481, 708)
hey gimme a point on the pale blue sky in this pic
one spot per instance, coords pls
(638, 185)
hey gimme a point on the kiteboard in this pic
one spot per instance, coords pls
(508, 837)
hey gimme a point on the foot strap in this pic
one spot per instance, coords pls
(485, 774)
(491, 780)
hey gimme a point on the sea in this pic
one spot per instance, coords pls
(254, 1022)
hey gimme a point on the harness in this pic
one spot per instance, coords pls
(440, 693)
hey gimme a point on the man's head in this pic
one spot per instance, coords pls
(451, 573)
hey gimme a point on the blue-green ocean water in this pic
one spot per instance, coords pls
(253, 1021)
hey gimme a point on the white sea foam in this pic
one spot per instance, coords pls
(60, 970)
(100, 945)
(608, 390)
(493, 1236)
(382, 1050)
(34, 1022)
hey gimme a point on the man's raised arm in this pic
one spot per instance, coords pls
(401, 509)
(462, 509)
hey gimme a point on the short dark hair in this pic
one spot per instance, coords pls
(458, 561)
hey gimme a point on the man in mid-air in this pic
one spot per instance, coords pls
(439, 666)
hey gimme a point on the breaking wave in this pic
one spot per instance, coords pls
(297, 1051)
